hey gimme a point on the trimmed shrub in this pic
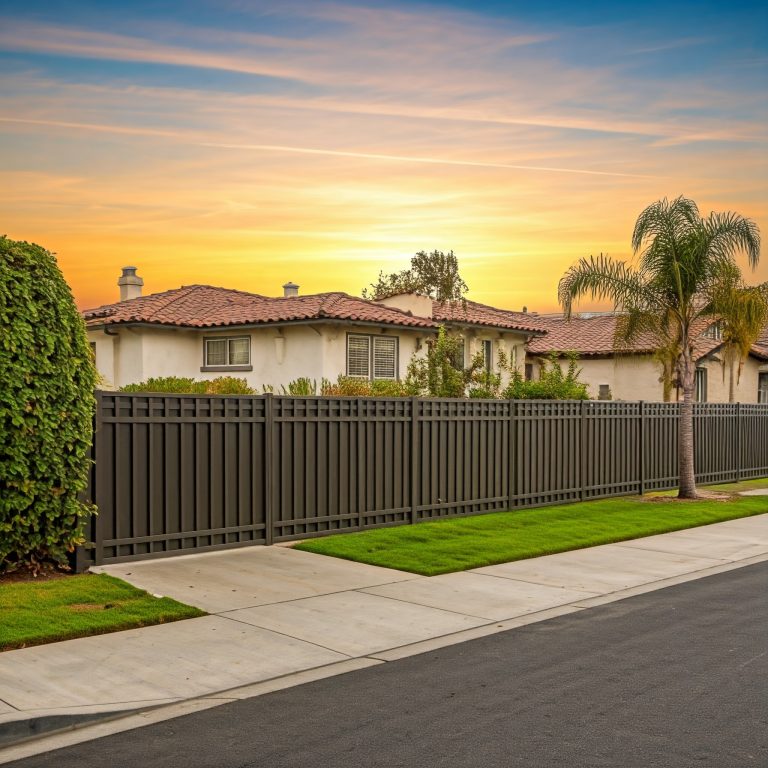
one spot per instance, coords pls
(172, 385)
(47, 379)
(180, 385)
(228, 385)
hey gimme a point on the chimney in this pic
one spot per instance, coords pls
(290, 289)
(130, 284)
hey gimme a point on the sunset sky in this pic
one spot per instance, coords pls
(244, 144)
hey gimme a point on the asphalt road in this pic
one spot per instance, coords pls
(674, 678)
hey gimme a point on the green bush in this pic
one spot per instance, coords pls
(228, 385)
(346, 386)
(392, 388)
(174, 385)
(437, 374)
(47, 379)
(552, 384)
(301, 387)
(179, 385)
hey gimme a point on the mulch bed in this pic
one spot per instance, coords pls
(701, 495)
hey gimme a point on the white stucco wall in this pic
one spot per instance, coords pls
(630, 377)
(746, 387)
(278, 355)
(637, 378)
(416, 304)
(105, 358)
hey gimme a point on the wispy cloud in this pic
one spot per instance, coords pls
(330, 133)
(415, 159)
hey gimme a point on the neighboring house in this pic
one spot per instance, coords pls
(633, 373)
(202, 332)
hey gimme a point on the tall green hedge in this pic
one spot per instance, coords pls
(47, 378)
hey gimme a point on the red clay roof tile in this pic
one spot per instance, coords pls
(472, 313)
(590, 336)
(205, 306)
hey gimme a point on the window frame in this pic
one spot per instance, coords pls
(372, 337)
(714, 330)
(700, 385)
(762, 387)
(226, 366)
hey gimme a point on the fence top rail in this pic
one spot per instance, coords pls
(606, 405)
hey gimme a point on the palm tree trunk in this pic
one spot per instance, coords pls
(731, 385)
(685, 431)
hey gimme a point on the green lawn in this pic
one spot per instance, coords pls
(471, 542)
(35, 613)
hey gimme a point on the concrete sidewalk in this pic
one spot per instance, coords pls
(280, 617)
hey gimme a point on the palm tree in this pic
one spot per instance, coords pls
(683, 259)
(743, 313)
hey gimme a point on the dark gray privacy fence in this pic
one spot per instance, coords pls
(182, 473)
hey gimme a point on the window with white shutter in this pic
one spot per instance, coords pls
(384, 357)
(372, 357)
(359, 356)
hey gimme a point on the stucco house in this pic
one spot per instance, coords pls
(201, 332)
(633, 374)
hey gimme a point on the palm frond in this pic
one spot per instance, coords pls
(728, 234)
(602, 278)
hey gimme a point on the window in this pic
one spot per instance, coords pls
(529, 371)
(92, 345)
(458, 358)
(232, 352)
(371, 357)
(762, 387)
(487, 354)
(715, 331)
(701, 385)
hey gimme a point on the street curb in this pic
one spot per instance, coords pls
(14, 732)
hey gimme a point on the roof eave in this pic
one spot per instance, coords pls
(266, 324)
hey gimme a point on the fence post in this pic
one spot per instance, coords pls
(99, 471)
(415, 455)
(512, 455)
(582, 449)
(641, 448)
(738, 442)
(269, 491)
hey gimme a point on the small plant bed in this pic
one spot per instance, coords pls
(33, 613)
(458, 544)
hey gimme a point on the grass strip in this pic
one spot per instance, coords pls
(458, 544)
(76, 606)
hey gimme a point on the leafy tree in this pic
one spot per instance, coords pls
(683, 260)
(743, 315)
(47, 378)
(434, 274)
(436, 374)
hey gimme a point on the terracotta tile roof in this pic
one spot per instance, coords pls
(591, 336)
(204, 306)
(760, 347)
(585, 335)
(472, 313)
